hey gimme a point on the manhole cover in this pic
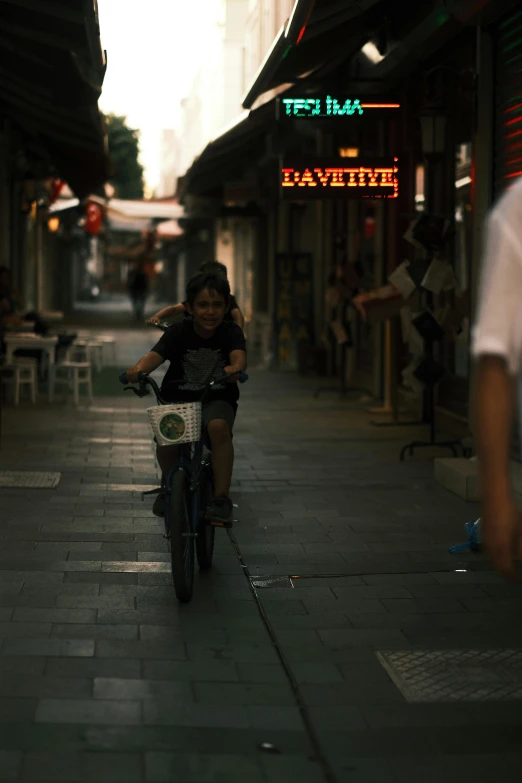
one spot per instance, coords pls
(20, 478)
(455, 675)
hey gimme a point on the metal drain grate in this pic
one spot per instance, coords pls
(26, 479)
(455, 675)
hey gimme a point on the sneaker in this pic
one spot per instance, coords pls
(158, 509)
(219, 512)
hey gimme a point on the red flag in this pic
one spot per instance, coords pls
(93, 218)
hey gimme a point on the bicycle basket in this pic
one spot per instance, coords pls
(172, 424)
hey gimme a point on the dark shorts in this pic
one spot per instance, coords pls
(216, 409)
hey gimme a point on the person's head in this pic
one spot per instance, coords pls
(208, 299)
(214, 268)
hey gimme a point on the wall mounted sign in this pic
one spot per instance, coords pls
(330, 106)
(318, 178)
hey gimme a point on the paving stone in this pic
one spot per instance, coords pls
(241, 653)
(95, 631)
(163, 713)
(192, 768)
(244, 694)
(10, 764)
(140, 649)
(59, 766)
(140, 689)
(74, 648)
(92, 667)
(88, 711)
(59, 615)
(14, 710)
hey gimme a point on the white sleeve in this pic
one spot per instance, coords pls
(498, 327)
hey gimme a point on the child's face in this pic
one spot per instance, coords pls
(208, 310)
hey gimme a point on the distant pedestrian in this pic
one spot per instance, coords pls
(138, 285)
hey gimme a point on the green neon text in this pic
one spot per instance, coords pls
(319, 107)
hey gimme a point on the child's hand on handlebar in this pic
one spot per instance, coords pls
(232, 372)
(153, 320)
(132, 374)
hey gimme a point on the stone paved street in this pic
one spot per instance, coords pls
(340, 552)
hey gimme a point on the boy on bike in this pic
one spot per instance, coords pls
(199, 349)
(233, 313)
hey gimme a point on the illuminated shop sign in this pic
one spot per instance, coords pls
(329, 106)
(319, 178)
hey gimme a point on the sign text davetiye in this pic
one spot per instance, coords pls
(319, 178)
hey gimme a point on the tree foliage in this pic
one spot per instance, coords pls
(123, 152)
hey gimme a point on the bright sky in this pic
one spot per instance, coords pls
(153, 51)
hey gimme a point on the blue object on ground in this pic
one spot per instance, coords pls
(474, 540)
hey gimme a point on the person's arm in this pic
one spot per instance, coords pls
(168, 312)
(238, 317)
(148, 363)
(497, 345)
(494, 417)
(238, 363)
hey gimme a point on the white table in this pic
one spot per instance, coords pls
(29, 342)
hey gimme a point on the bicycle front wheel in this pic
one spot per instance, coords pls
(181, 539)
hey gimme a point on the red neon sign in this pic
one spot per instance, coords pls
(320, 178)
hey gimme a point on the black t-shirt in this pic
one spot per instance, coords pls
(197, 360)
(228, 315)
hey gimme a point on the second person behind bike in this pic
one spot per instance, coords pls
(233, 312)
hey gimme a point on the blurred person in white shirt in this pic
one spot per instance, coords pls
(497, 346)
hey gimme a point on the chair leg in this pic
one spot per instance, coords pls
(33, 386)
(51, 381)
(17, 388)
(76, 383)
(89, 385)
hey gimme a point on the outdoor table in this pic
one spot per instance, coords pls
(31, 342)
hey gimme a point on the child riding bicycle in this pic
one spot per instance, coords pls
(200, 349)
(233, 313)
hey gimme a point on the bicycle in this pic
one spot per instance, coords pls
(188, 486)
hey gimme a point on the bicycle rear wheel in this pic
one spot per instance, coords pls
(181, 540)
(206, 532)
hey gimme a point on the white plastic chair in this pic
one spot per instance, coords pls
(20, 374)
(73, 375)
(108, 349)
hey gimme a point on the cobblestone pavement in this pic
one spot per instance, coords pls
(340, 553)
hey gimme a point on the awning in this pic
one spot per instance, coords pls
(51, 73)
(326, 31)
(229, 154)
(169, 229)
(337, 30)
(134, 215)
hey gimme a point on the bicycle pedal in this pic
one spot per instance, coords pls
(218, 523)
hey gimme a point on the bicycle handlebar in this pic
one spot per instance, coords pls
(143, 377)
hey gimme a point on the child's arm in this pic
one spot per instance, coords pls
(238, 363)
(148, 363)
(238, 317)
(168, 312)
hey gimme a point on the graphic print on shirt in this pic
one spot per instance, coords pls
(201, 366)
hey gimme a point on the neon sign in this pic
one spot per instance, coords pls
(320, 178)
(328, 106)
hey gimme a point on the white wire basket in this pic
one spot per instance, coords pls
(173, 424)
